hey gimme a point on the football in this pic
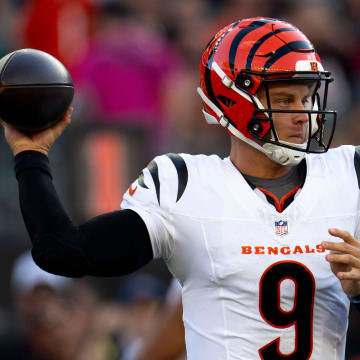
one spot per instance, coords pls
(35, 89)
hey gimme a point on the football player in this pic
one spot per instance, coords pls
(263, 242)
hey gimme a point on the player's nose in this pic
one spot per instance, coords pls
(300, 116)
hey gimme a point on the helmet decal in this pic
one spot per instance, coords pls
(209, 66)
(208, 86)
(238, 38)
(286, 49)
(260, 42)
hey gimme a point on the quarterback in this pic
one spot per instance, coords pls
(263, 242)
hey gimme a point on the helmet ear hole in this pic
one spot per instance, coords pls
(255, 127)
(226, 101)
(243, 81)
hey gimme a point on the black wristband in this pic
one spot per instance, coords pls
(31, 159)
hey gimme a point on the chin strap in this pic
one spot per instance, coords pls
(284, 156)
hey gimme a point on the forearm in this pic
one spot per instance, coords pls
(112, 244)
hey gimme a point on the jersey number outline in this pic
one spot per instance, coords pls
(301, 314)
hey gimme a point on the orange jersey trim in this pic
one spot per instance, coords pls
(279, 204)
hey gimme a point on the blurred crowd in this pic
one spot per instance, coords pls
(57, 318)
(135, 68)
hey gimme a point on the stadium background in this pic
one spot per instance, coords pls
(135, 69)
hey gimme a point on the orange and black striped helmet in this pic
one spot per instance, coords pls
(251, 53)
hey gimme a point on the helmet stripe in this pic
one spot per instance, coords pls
(260, 42)
(207, 79)
(207, 75)
(286, 49)
(239, 36)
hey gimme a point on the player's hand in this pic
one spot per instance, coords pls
(344, 259)
(38, 141)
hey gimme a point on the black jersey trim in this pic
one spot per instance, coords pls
(289, 200)
(357, 163)
(271, 200)
(182, 173)
(154, 172)
(141, 181)
(253, 187)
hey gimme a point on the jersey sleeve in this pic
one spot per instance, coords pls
(151, 196)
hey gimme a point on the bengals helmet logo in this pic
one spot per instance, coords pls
(314, 66)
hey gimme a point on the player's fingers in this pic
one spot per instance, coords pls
(60, 126)
(346, 259)
(350, 245)
(354, 274)
(66, 119)
(5, 125)
(68, 113)
(345, 235)
(12, 135)
(341, 247)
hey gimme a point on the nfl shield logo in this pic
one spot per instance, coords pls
(281, 227)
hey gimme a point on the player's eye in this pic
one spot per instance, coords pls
(284, 102)
(307, 102)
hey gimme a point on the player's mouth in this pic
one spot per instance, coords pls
(298, 138)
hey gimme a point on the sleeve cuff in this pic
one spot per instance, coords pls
(31, 159)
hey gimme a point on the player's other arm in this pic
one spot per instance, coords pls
(112, 244)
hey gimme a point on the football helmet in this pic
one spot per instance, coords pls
(247, 56)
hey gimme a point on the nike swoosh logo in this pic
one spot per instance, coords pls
(131, 190)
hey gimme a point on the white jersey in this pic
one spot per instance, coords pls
(255, 282)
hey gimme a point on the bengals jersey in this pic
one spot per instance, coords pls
(255, 282)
